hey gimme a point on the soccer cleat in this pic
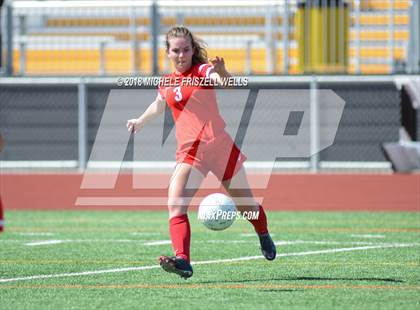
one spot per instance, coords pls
(268, 248)
(175, 264)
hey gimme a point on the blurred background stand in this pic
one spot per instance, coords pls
(404, 155)
(322, 31)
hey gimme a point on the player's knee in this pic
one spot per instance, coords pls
(175, 202)
(177, 206)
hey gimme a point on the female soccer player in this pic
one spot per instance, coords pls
(203, 144)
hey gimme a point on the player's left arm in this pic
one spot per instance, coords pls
(219, 73)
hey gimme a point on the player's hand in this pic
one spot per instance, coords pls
(134, 125)
(218, 64)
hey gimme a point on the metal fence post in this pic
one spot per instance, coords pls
(179, 18)
(325, 30)
(22, 44)
(307, 62)
(391, 36)
(155, 23)
(357, 40)
(133, 39)
(248, 57)
(333, 32)
(314, 125)
(341, 49)
(269, 39)
(286, 37)
(22, 57)
(413, 52)
(82, 124)
(102, 69)
(22, 25)
(9, 39)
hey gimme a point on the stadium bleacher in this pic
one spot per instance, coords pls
(239, 38)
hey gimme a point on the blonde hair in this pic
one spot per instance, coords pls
(198, 45)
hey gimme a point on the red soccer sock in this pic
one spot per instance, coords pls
(179, 229)
(260, 224)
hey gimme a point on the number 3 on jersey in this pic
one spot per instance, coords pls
(178, 94)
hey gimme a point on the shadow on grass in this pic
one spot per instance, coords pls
(308, 279)
(272, 290)
(346, 279)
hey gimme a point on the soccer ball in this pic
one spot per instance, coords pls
(217, 211)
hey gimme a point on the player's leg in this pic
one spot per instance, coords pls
(184, 184)
(226, 162)
(240, 191)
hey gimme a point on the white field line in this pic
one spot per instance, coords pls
(164, 242)
(35, 234)
(305, 253)
(226, 241)
(46, 242)
(217, 261)
(158, 242)
(368, 236)
(333, 242)
(253, 235)
(50, 242)
(139, 242)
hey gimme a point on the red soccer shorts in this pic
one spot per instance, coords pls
(220, 156)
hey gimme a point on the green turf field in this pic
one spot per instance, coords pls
(108, 260)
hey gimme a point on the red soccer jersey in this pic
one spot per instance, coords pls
(194, 107)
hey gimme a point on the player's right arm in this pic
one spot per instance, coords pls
(154, 110)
